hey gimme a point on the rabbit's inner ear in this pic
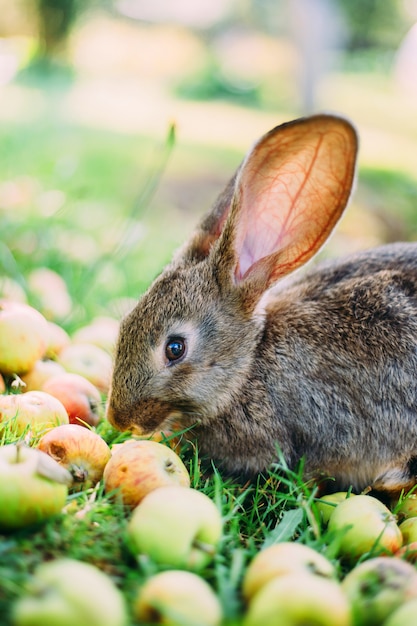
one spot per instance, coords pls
(291, 191)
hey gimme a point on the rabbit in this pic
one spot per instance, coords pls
(262, 358)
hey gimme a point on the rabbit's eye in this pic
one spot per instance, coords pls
(175, 349)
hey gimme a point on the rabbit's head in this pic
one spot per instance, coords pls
(187, 348)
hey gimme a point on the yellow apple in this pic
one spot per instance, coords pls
(23, 337)
(89, 361)
(138, 467)
(41, 371)
(80, 450)
(408, 530)
(58, 339)
(34, 412)
(281, 559)
(177, 598)
(327, 504)
(404, 615)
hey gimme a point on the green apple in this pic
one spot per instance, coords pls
(408, 507)
(66, 592)
(405, 615)
(177, 598)
(23, 337)
(175, 526)
(140, 466)
(34, 412)
(299, 598)
(327, 504)
(282, 559)
(408, 530)
(80, 450)
(33, 486)
(376, 587)
(364, 525)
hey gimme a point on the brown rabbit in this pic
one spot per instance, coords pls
(322, 367)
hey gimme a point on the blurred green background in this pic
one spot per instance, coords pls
(120, 122)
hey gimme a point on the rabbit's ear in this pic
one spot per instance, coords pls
(289, 194)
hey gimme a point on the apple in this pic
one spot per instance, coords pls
(102, 332)
(299, 598)
(177, 598)
(58, 339)
(80, 450)
(79, 396)
(281, 559)
(408, 552)
(41, 371)
(66, 592)
(89, 361)
(408, 507)
(327, 504)
(364, 525)
(23, 337)
(33, 487)
(2, 384)
(139, 467)
(376, 587)
(408, 530)
(404, 615)
(50, 292)
(10, 289)
(175, 526)
(34, 411)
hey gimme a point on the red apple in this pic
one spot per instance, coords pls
(364, 525)
(282, 559)
(80, 450)
(50, 292)
(138, 467)
(79, 396)
(33, 486)
(376, 587)
(102, 332)
(89, 361)
(42, 371)
(23, 337)
(177, 598)
(34, 412)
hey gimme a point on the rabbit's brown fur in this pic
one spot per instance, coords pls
(323, 367)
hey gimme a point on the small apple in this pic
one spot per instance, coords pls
(299, 598)
(375, 588)
(34, 411)
(404, 615)
(408, 552)
(102, 332)
(23, 337)
(80, 450)
(10, 289)
(50, 292)
(41, 371)
(2, 384)
(327, 504)
(89, 361)
(58, 339)
(139, 467)
(33, 487)
(79, 396)
(282, 559)
(408, 507)
(66, 592)
(367, 526)
(177, 598)
(408, 530)
(175, 526)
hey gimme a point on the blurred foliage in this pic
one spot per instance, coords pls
(374, 24)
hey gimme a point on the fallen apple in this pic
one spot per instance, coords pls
(102, 332)
(282, 559)
(34, 412)
(177, 598)
(408, 530)
(327, 504)
(66, 592)
(23, 337)
(408, 552)
(408, 507)
(50, 291)
(139, 467)
(375, 588)
(299, 598)
(33, 487)
(89, 361)
(79, 396)
(41, 371)
(404, 615)
(175, 526)
(80, 450)
(364, 525)
(2, 384)
(58, 339)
